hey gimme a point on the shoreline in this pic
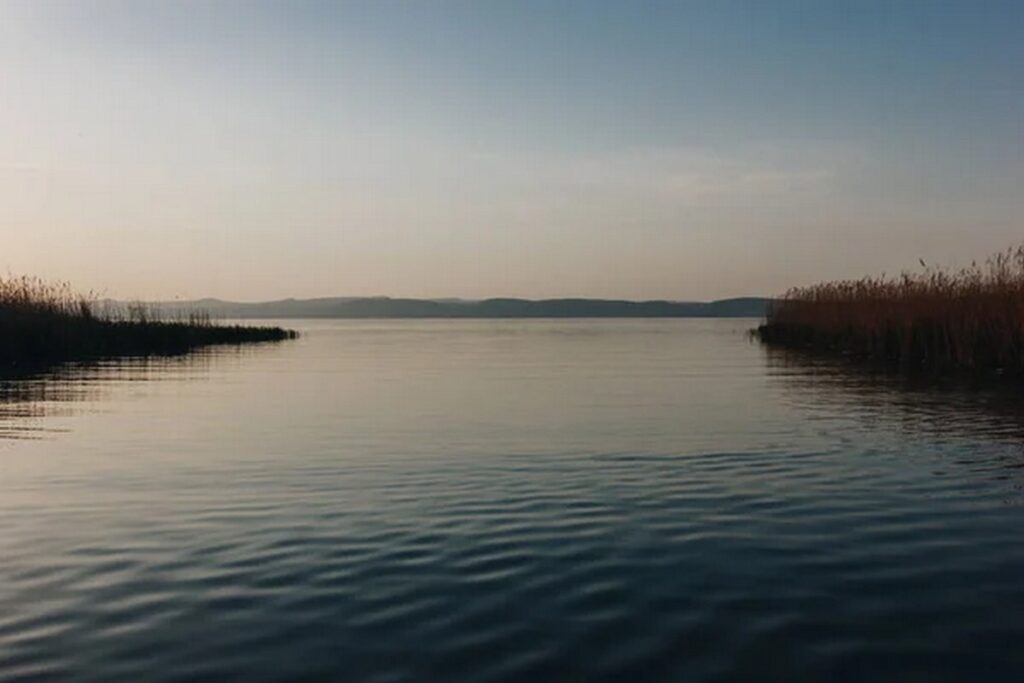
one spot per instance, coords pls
(938, 320)
(43, 340)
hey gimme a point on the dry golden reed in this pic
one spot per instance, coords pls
(42, 322)
(971, 318)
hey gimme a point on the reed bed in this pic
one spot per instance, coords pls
(937, 319)
(43, 322)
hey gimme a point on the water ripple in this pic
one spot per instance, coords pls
(544, 505)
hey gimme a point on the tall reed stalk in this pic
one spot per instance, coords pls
(971, 318)
(46, 322)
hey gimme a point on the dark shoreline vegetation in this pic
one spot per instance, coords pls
(969, 320)
(44, 323)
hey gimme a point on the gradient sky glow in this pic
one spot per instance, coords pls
(680, 150)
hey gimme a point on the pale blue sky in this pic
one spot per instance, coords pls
(614, 149)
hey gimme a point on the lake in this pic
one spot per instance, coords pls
(491, 500)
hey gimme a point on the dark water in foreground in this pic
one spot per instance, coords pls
(508, 500)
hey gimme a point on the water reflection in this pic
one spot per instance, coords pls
(31, 396)
(506, 500)
(961, 426)
(948, 406)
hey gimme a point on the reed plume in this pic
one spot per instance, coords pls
(43, 322)
(972, 318)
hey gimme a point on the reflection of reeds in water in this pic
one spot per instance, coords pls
(970, 319)
(952, 406)
(42, 322)
(29, 396)
(962, 426)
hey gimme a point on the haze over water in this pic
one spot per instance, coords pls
(507, 500)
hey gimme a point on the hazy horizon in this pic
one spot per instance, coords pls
(639, 151)
(442, 298)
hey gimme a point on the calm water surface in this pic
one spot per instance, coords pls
(507, 500)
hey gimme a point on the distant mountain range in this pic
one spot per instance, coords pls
(386, 307)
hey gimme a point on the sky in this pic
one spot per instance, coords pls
(642, 150)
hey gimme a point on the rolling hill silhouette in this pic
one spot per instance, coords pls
(387, 307)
